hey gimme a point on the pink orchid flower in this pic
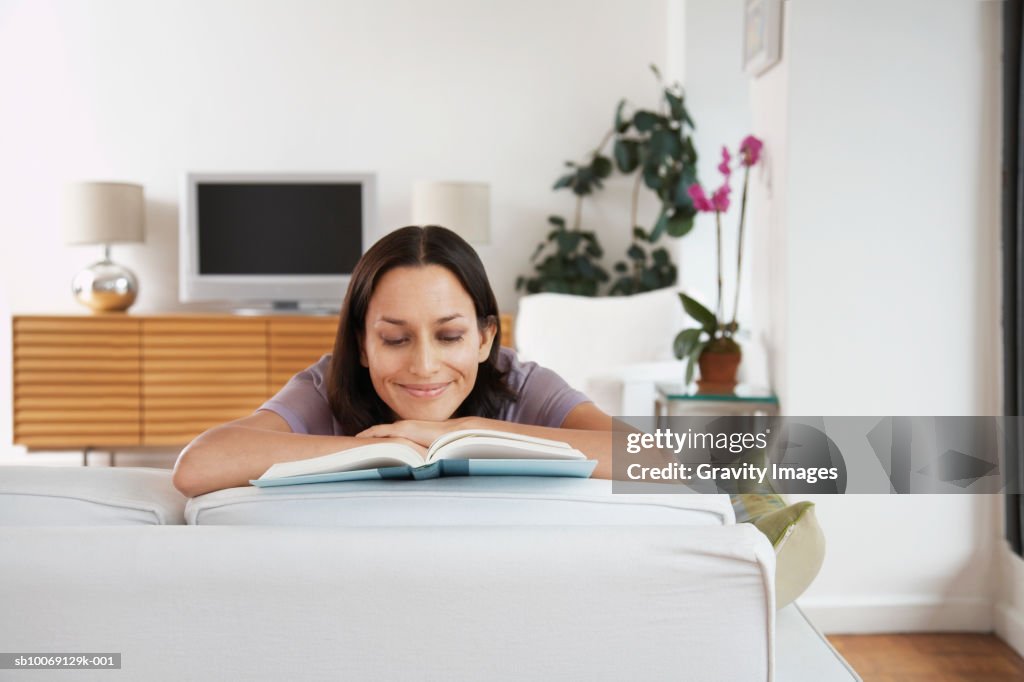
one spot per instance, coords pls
(723, 167)
(700, 200)
(720, 199)
(750, 150)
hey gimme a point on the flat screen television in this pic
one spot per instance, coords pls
(284, 241)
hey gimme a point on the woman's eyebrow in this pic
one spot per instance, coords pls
(440, 320)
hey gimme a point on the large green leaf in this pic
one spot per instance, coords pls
(567, 242)
(681, 222)
(564, 181)
(556, 220)
(540, 247)
(685, 341)
(626, 155)
(675, 105)
(621, 125)
(687, 120)
(659, 226)
(665, 145)
(601, 166)
(651, 176)
(635, 252)
(687, 177)
(645, 120)
(649, 279)
(704, 317)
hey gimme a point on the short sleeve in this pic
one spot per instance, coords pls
(303, 404)
(545, 399)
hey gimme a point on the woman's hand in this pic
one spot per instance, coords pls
(420, 432)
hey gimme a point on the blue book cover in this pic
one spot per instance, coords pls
(448, 467)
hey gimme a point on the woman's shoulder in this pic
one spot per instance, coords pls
(543, 397)
(520, 374)
(512, 367)
(314, 375)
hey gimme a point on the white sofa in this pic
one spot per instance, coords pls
(455, 579)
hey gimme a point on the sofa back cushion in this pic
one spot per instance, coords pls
(88, 496)
(578, 336)
(481, 500)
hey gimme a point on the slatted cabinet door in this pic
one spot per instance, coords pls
(295, 344)
(198, 373)
(76, 381)
(116, 380)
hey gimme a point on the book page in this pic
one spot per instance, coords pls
(491, 433)
(490, 447)
(370, 456)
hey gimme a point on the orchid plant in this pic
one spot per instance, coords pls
(715, 335)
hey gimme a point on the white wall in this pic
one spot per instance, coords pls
(501, 92)
(882, 128)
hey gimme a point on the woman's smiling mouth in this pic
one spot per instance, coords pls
(425, 390)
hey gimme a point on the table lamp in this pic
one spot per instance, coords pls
(463, 207)
(104, 213)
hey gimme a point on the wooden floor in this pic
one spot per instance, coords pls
(935, 657)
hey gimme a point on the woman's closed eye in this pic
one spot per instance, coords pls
(444, 338)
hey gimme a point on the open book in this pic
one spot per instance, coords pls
(475, 452)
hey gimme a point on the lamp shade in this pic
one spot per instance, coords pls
(103, 213)
(463, 207)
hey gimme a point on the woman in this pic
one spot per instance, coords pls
(416, 356)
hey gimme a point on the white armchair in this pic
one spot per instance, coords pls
(614, 349)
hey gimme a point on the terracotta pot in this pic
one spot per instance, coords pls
(718, 369)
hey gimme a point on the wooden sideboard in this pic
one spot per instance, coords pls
(114, 381)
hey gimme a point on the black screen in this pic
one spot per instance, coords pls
(279, 229)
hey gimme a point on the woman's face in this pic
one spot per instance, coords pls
(422, 345)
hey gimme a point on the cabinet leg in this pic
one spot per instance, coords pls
(85, 456)
(112, 462)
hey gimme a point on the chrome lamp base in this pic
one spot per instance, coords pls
(106, 286)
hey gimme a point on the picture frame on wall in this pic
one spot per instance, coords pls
(762, 35)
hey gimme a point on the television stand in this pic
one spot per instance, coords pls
(289, 308)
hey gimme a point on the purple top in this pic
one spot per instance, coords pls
(544, 397)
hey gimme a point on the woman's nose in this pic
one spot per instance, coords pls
(425, 359)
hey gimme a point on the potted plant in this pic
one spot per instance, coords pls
(712, 345)
(657, 147)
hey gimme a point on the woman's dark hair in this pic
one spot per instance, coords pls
(350, 392)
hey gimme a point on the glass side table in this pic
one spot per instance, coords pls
(675, 400)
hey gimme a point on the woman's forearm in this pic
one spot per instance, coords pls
(231, 455)
(594, 444)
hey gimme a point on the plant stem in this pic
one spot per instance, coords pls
(634, 209)
(635, 205)
(579, 214)
(604, 141)
(718, 237)
(739, 249)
